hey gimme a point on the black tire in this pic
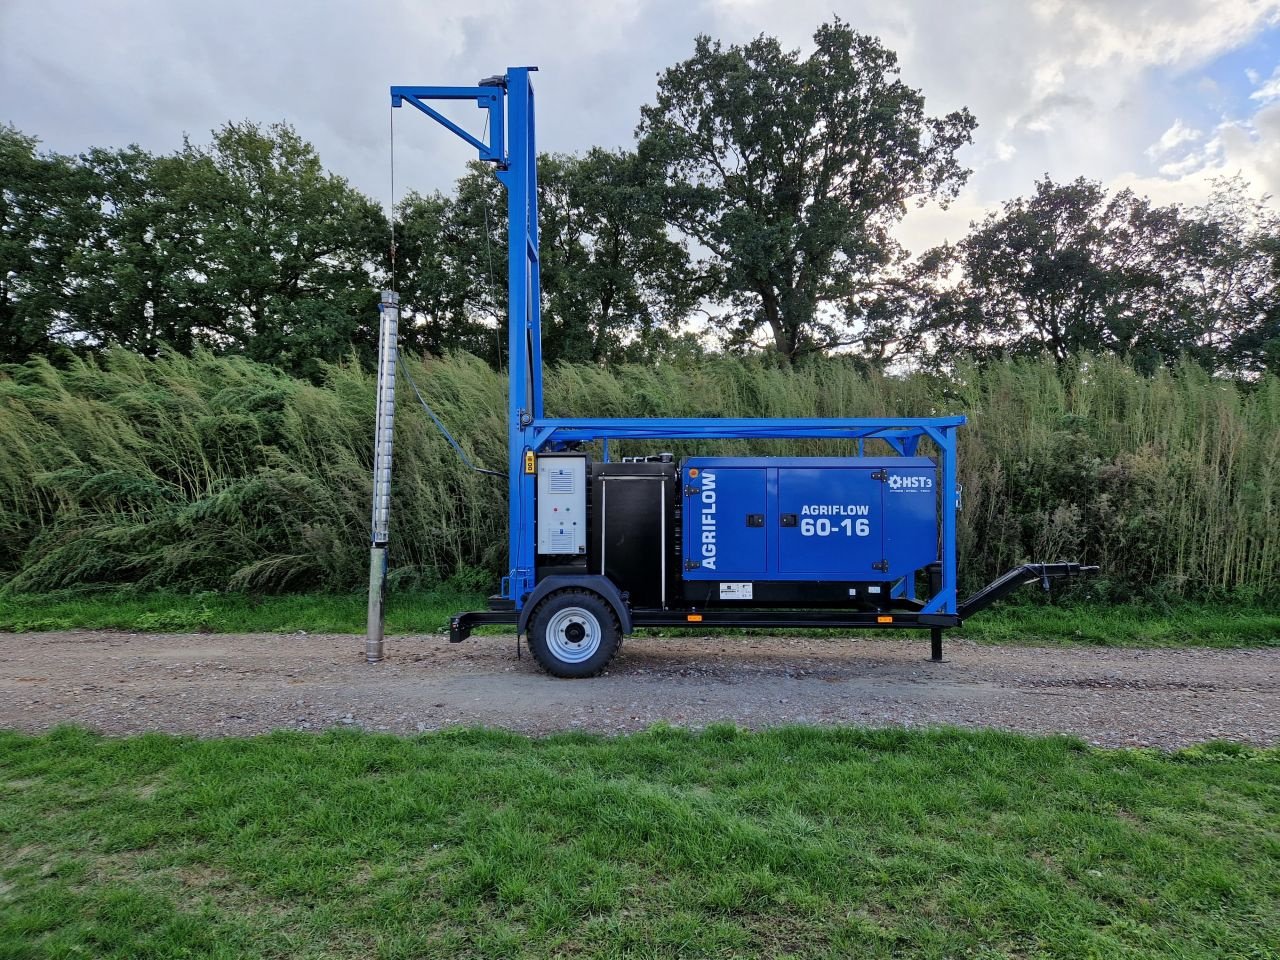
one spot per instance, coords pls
(574, 633)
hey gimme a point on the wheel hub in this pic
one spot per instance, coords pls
(573, 634)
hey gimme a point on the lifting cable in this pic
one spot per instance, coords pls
(392, 218)
(462, 454)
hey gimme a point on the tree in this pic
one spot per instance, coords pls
(1066, 271)
(614, 284)
(1072, 270)
(140, 263)
(1235, 280)
(45, 208)
(448, 273)
(290, 253)
(617, 286)
(791, 172)
(247, 245)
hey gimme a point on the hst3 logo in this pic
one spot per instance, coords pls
(899, 482)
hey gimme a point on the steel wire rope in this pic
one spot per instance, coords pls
(462, 454)
(392, 217)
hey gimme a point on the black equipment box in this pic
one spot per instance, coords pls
(632, 537)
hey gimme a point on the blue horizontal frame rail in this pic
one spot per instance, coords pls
(580, 429)
(509, 101)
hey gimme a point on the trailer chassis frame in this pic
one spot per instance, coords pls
(461, 625)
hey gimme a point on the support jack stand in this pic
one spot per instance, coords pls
(935, 645)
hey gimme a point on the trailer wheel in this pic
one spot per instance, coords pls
(574, 633)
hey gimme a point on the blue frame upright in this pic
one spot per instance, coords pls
(509, 99)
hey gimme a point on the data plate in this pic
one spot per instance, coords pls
(735, 591)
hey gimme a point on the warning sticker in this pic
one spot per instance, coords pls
(735, 591)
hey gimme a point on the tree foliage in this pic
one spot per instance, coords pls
(294, 268)
(1235, 281)
(246, 245)
(44, 210)
(791, 173)
(1072, 270)
(615, 285)
(759, 204)
(446, 273)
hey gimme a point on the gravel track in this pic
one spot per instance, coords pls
(219, 685)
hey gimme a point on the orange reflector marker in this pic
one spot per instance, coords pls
(694, 618)
(884, 619)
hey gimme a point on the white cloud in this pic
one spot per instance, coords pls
(931, 225)
(1250, 149)
(1194, 161)
(1172, 139)
(1269, 90)
(1064, 87)
(1100, 33)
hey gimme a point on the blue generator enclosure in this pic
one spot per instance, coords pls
(815, 518)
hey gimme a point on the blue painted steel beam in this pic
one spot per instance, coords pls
(524, 327)
(583, 429)
(946, 599)
(511, 147)
(486, 98)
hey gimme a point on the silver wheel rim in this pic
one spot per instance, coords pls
(573, 635)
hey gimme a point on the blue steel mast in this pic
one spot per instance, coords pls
(524, 328)
(515, 155)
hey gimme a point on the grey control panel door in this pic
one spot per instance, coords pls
(562, 506)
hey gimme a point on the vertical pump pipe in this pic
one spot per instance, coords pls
(388, 340)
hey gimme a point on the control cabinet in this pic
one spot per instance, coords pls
(562, 506)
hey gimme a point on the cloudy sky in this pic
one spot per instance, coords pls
(1159, 95)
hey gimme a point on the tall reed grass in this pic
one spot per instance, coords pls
(216, 473)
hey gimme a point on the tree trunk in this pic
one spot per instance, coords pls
(783, 341)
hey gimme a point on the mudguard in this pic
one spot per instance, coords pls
(602, 586)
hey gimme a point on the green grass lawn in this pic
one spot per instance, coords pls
(797, 842)
(1136, 625)
(407, 612)
(1128, 625)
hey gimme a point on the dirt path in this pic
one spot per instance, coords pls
(217, 685)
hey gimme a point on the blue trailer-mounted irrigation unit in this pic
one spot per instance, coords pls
(600, 547)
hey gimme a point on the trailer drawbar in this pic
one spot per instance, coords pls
(598, 548)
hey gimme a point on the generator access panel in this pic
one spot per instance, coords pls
(812, 518)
